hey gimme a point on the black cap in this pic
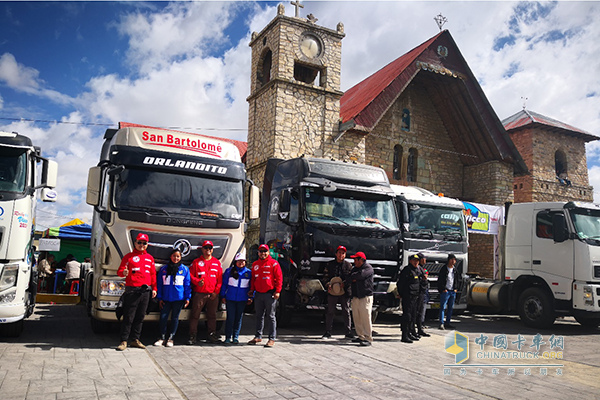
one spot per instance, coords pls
(421, 255)
(450, 255)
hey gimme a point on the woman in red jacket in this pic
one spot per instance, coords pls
(140, 279)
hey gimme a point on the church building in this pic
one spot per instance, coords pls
(423, 118)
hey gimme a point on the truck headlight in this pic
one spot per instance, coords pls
(8, 297)
(588, 295)
(8, 279)
(110, 287)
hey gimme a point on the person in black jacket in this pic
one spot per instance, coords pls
(408, 289)
(337, 268)
(361, 282)
(447, 287)
(423, 296)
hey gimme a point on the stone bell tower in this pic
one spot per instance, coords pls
(294, 104)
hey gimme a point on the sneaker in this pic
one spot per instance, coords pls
(350, 335)
(213, 338)
(270, 343)
(365, 343)
(122, 346)
(192, 340)
(235, 341)
(160, 342)
(442, 327)
(255, 341)
(137, 343)
(326, 336)
(227, 341)
(448, 326)
(169, 343)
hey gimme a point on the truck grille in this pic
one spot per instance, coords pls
(596, 271)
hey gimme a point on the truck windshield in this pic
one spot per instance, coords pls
(178, 194)
(587, 223)
(13, 170)
(438, 220)
(350, 210)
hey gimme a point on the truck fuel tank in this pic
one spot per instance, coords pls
(488, 294)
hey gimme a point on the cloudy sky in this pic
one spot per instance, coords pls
(69, 70)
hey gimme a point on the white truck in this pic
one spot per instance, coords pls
(18, 175)
(550, 264)
(179, 188)
(435, 226)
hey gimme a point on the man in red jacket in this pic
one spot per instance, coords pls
(206, 274)
(265, 287)
(140, 278)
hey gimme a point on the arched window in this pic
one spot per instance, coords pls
(560, 164)
(405, 123)
(411, 165)
(264, 70)
(397, 172)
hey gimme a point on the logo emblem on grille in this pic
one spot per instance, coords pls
(184, 246)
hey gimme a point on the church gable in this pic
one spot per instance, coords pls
(436, 65)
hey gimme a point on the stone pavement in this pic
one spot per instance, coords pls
(58, 357)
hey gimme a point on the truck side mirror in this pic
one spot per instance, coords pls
(254, 206)
(49, 173)
(285, 205)
(93, 186)
(559, 228)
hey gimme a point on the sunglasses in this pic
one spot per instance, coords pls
(142, 243)
(263, 251)
(207, 248)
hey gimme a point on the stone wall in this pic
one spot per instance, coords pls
(481, 255)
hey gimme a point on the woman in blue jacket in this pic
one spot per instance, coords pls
(173, 293)
(234, 293)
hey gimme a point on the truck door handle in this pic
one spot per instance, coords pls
(537, 262)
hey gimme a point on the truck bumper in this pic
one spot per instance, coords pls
(586, 297)
(104, 315)
(11, 312)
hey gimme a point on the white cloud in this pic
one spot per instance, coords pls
(594, 174)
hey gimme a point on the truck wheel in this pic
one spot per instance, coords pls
(14, 329)
(284, 313)
(588, 322)
(99, 327)
(535, 308)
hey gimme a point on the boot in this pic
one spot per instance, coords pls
(405, 338)
(422, 333)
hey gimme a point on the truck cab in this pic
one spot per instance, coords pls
(310, 207)
(435, 226)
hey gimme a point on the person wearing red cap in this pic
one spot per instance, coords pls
(265, 285)
(140, 279)
(206, 275)
(334, 277)
(361, 282)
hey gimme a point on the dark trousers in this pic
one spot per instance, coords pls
(233, 323)
(265, 305)
(420, 314)
(199, 300)
(332, 302)
(173, 308)
(409, 313)
(135, 304)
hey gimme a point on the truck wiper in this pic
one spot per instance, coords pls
(453, 235)
(372, 221)
(427, 233)
(148, 209)
(328, 217)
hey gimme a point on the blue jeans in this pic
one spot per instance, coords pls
(264, 304)
(233, 324)
(446, 298)
(173, 308)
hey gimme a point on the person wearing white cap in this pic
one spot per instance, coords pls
(234, 293)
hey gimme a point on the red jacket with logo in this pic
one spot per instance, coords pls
(141, 269)
(266, 276)
(211, 271)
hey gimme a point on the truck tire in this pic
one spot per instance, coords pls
(99, 327)
(535, 308)
(588, 322)
(14, 329)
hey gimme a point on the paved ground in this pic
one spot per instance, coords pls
(58, 357)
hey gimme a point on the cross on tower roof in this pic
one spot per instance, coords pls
(297, 5)
(440, 20)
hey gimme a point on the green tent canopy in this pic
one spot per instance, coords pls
(74, 238)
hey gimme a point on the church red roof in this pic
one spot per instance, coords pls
(241, 146)
(526, 118)
(360, 97)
